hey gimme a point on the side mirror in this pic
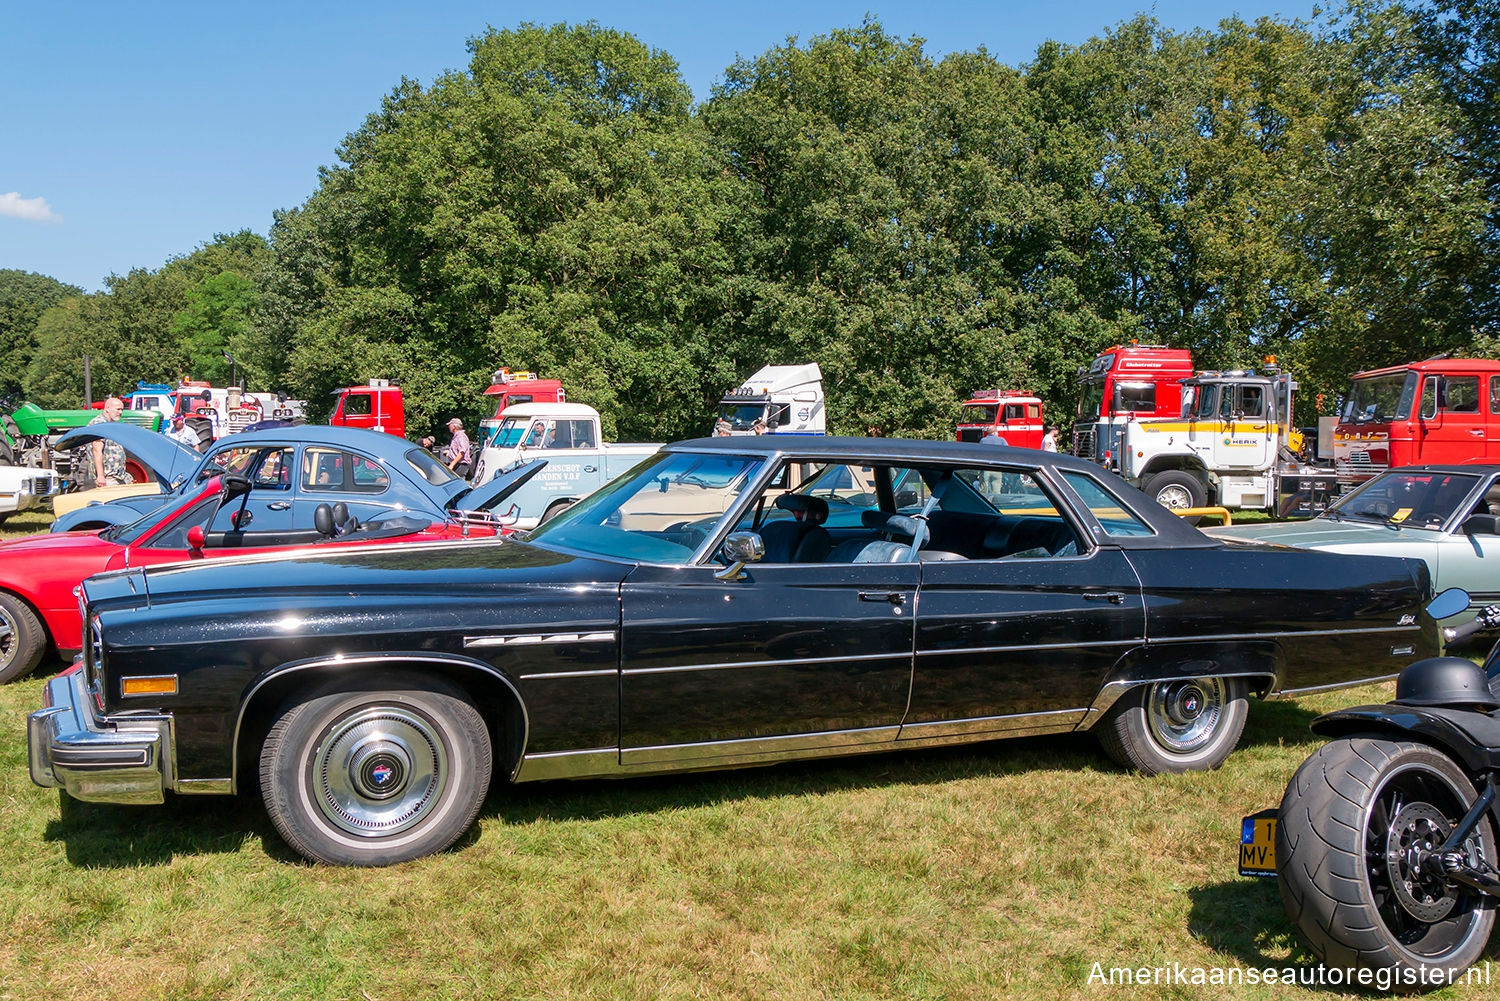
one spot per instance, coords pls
(1433, 396)
(1449, 603)
(233, 486)
(738, 549)
(1481, 524)
(195, 539)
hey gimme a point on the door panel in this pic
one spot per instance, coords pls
(999, 638)
(790, 649)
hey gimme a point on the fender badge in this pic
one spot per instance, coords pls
(1407, 620)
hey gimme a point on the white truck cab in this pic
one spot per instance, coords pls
(568, 436)
(789, 398)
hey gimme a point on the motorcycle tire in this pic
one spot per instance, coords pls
(1349, 824)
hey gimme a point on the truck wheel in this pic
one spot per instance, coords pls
(1176, 726)
(554, 509)
(22, 639)
(135, 472)
(390, 770)
(1176, 489)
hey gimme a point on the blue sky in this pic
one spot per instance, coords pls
(133, 133)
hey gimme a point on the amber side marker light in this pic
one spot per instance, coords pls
(162, 684)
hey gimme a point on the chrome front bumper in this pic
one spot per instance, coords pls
(120, 760)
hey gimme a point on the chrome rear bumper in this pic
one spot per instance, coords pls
(111, 761)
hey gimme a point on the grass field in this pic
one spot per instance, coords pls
(1008, 869)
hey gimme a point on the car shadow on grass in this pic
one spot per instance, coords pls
(112, 835)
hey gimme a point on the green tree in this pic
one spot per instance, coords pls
(24, 297)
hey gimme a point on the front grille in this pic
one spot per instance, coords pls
(1083, 441)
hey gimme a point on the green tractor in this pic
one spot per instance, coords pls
(27, 437)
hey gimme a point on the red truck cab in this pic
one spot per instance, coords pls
(1011, 414)
(512, 388)
(377, 405)
(1123, 383)
(1443, 410)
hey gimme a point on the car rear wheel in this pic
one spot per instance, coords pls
(392, 770)
(22, 639)
(1190, 724)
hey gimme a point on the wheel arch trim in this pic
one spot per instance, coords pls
(1259, 664)
(324, 666)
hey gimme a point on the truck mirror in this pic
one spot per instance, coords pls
(1432, 401)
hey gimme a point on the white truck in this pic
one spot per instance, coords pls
(567, 435)
(1233, 447)
(789, 398)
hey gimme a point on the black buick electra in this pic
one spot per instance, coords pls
(729, 601)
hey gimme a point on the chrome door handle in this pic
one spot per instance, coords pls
(894, 597)
(280, 505)
(1113, 597)
(590, 469)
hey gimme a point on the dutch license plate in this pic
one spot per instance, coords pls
(1258, 844)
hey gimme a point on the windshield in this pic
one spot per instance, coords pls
(1408, 499)
(978, 414)
(743, 416)
(1380, 398)
(509, 433)
(659, 512)
(1093, 399)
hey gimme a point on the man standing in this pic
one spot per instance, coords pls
(457, 454)
(109, 456)
(181, 432)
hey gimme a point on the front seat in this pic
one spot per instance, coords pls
(801, 538)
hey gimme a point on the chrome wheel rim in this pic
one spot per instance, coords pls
(1183, 716)
(379, 771)
(1174, 495)
(10, 641)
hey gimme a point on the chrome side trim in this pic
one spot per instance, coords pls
(797, 662)
(385, 658)
(532, 639)
(1292, 693)
(751, 749)
(203, 787)
(594, 763)
(1051, 721)
(604, 672)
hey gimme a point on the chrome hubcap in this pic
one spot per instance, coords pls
(1174, 496)
(8, 639)
(379, 771)
(1184, 715)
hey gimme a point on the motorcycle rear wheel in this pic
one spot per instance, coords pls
(1350, 823)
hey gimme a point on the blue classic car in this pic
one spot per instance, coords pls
(293, 470)
(730, 601)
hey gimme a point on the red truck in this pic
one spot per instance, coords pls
(1011, 414)
(1443, 410)
(376, 405)
(511, 388)
(1123, 383)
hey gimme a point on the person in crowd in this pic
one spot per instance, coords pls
(1049, 440)
(109, 456)
(457, 456)
(722, 429)
(759, 427)
(179, 431)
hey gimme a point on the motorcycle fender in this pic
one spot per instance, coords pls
(1407, 723)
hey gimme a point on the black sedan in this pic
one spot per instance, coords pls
(730, 601)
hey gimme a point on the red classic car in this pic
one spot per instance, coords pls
(38, 574)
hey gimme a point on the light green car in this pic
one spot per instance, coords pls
(1448, 516)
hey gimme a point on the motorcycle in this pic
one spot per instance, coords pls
(1385, 850)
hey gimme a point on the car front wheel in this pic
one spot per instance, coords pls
(1190, 724)
(391, 771)
(22, 639)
